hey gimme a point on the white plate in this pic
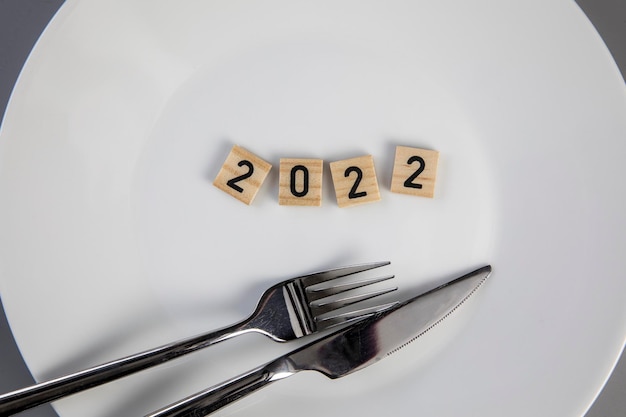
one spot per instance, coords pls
(114, 240)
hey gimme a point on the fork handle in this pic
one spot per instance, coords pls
(25, 398)
(212, 399)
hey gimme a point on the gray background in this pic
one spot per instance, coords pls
(21, 23)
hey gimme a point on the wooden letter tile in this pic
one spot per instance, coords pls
(242, 174)
(300, 182)
(355, 181)
(414, 171)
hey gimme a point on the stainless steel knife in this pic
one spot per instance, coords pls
(344, 351)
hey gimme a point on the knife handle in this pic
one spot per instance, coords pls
(43, 392)
(212, 399)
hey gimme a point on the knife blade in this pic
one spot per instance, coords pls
(345, 351)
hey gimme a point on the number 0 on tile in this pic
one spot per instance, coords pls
(300, 182)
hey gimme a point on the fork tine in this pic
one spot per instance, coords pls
(319, 277)
(322, 307)
(330, 321)
(314, 294)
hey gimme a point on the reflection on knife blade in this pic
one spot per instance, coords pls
(344, 351)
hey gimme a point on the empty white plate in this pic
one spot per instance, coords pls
(114, 239)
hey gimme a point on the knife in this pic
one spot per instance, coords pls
(342, 352)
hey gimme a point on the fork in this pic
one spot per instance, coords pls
(286, 311)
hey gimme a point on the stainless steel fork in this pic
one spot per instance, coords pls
(289, 310)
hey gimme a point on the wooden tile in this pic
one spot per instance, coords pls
(414, 171)
(300, 182)
(242, 174)
(355, 181)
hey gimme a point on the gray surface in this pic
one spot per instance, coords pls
(21, 23)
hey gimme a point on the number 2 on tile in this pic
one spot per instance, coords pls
(422, 164)
(232, 183)
(359, 176)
